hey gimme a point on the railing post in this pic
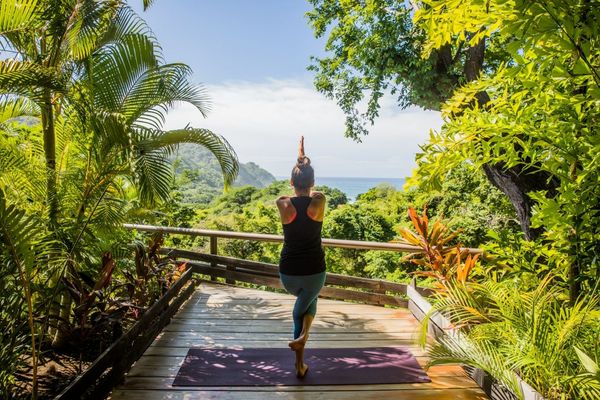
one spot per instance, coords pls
(213, 250)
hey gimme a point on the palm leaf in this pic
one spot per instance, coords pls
(127, 23)
(162, 86)
(17, 231)
(153, 176)
(12, 107)
(88, 25)
(117, 69)
(23, 77)
(217, 145)
(147, 4)
(18, 15)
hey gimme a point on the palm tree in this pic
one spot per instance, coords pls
(67, 57)
(91, 73)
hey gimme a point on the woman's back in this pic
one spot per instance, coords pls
(302, 252)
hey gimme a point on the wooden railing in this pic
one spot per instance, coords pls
(402, 247)
(337, 286)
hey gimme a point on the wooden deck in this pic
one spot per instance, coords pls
(228, 316)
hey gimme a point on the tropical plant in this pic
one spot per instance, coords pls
(512, 333)
(20, 252)
(540, 116)
(376, 49)
(438, 259)
(153, 274)
(83, 95)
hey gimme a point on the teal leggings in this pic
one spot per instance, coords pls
(306, 288)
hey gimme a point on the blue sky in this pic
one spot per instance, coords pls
(251, 55)
(226, 40)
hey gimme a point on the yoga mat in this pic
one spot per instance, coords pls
(275, 366)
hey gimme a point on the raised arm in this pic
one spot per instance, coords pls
(301, 148)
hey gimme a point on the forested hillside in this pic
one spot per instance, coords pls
(199, 178)
(469, 204)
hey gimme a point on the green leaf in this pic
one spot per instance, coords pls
(589, 364)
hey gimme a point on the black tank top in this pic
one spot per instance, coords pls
(302, 253)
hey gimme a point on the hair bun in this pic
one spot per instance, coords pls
(302, 161)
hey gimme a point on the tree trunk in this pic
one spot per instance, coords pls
(507, 182)
(50, 154)
(510, 181)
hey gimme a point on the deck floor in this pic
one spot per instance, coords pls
(228, 316)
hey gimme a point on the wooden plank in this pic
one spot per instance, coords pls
(217, 342)
(374, 394)
(157, 360)
(314, 335)
(251, 328)
(327, 292)
(437, 382)
(158, 350)
(367, 298)
(273, 270)
(170, 370)
(196, 306)
(224, 316)
(340, 243)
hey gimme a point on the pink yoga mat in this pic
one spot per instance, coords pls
(275, 366)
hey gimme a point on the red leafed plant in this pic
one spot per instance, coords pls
(439, 260)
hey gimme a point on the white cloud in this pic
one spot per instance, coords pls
(263, 122)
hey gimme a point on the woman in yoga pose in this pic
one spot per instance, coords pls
(302, 262)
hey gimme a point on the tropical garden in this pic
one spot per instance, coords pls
(514, 170)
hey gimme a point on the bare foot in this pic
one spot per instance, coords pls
(301, 370)
(299, 343)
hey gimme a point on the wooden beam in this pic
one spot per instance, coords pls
(260, 237)
(273, 270)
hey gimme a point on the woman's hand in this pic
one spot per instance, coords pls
(301, 148)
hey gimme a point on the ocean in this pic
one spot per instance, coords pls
(355, 186)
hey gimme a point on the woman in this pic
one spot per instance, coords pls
(302, 262)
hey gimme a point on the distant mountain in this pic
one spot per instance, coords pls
(198, 174)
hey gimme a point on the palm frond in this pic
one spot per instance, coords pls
(12, 107)
(118, 67)
(217, 144)
(127, 22)
(147, 4)
(17, 231)
(509, 331)
(162, 86)
(18, 15)
(479, 354)
(23, 77)
(153, 176)
(88, 26)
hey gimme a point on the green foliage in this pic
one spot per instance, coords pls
(375, 48)
(507, 330)
(542, 116)
(199, 179)
(376, 216)
(18, 236)
(83, 95)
